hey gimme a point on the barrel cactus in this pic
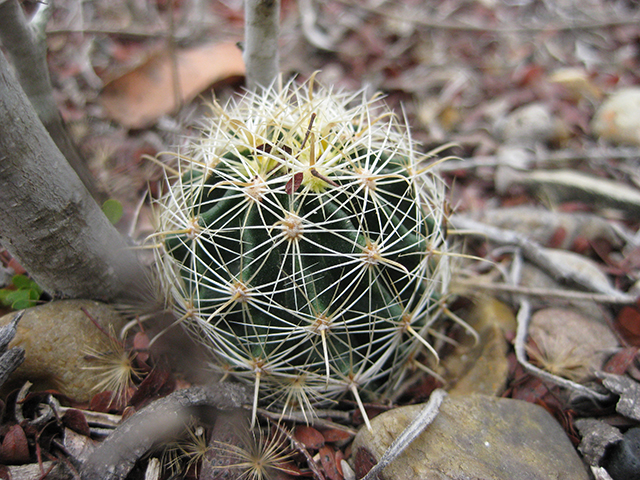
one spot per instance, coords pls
(304, 244)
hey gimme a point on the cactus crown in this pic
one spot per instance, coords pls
(303, 244)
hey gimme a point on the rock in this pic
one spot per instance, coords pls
(56, 338)
(487, 366)
(623, 460)
(528, 124)
(618, 118)
(569, 344)
(482, 366)
(597, 436)
(473, 437)
(488, 312)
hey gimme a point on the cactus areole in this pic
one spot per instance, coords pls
(303, 244)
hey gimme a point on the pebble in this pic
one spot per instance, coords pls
(483, 367)
(623, 461)
(573, 345)
(56, 337)
(618, 118)
(489, 368)
(528, 124)
(473, 437)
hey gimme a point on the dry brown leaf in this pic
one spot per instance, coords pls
(309, 437)
(14, 447)
(139, 97)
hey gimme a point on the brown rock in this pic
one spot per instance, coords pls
(56, 337)
(475, 437)
(569, 344)
(488, 367)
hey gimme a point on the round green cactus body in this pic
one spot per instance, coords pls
(304, 244)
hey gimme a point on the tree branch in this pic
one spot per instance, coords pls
(26, 46)
(48, 220)
(262, 29)
(114, 458)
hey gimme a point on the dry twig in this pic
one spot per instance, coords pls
(536, 254)
(114, 458)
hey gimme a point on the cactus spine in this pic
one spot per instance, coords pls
(303, 243)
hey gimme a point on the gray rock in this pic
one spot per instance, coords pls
(597, 436)
(473, 437)
(623, 462)
(528, 124)
(56, 338)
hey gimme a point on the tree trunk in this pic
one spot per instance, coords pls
(261, 32)
(48, 220)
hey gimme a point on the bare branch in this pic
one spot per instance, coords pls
(544, 292)
(48, 220)
(262, 28)
(115, 457)
(26, 46)
(536, 254)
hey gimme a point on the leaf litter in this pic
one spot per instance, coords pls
(459, 69)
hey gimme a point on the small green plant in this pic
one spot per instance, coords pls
(23, 293)
(113, 210)
(305, 244)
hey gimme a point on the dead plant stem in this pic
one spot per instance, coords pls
(545, 292)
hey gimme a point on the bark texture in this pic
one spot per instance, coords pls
(114, 458)
(26, 46)
(48, 219)
(262, 29)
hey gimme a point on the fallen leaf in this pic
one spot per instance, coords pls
(309, 437)
(328, 460)
(336, 435)
(620, 361)
(364, 461)
(14, 448)
(138, 98)
(629, 323)
(76, 421)
(106, 402)
(153, 383)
